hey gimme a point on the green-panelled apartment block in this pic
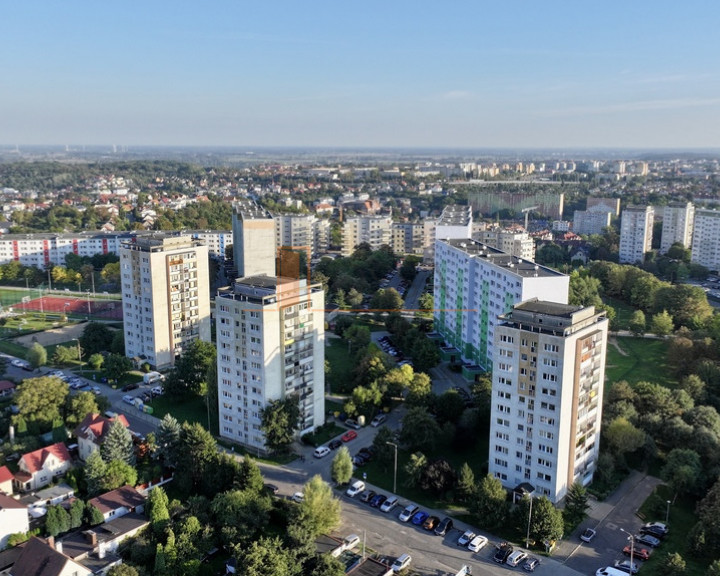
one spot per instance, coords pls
(474, 284)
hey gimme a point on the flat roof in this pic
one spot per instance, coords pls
(250, 210)
(551, 308)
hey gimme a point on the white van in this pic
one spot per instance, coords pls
(610, 571)
(355, 488)
(321, 451)
(401, 563)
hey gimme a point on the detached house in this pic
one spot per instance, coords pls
(6, 482)
(13, 518)
(119, 502)
(91, 432)
(40, 558)
(38, 468)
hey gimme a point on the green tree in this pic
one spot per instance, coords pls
(357, 337)
(79, 406)
(95, 472)
(57, 520)
(438, 477)
(661, 324)
(167, 439)
(265, 557)
(584, 290)
(466, 485)
(354, 298)
(342, 466)
(672, 565)
(419, 430)
(124, 570)
(622, 437)
(65, 355)
(683, 470)
(319, 511)
(489, 502)
(39, 401)
(189, 376)
(419, 389)
(196, 458)
(546, 522)
(713, 569)
(384, 452)
(93, 515)
(96, 361)
(118, 473)
(324, 565)
(77, 510)
(576, 504)
(116, 366)
(414, 469)
(118, 444)
(156, 510)
(242, 514)
(386, 300)
(249, 476)
(637, 323)
(36, 355)
(96, 338)
(279, 423)
(449, 406)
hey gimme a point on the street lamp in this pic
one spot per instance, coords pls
(667, 513)
(79, 351)
(632, 547)
(395, 473)
(527, 535)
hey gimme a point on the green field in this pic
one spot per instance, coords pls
(191, 410)
(336, 353)
(645, 359)
(623, 312)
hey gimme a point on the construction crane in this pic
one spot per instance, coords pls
(527, 211)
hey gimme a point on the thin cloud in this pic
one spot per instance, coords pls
(639, 106)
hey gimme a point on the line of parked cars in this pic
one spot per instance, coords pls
(649, 536)
(388, 347)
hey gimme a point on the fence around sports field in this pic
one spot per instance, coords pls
(62, 303)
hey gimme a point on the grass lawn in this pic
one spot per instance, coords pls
(191, 410)
(336, 353)
(682, 519)
(645, 360)
(328, 431)
(623, 312)
(13, 349)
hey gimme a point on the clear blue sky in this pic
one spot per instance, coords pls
(509, 73)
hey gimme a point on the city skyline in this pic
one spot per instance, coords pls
(392, 75)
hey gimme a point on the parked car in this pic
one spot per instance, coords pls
(24, 364)
(444, 527)
(157, 391)
(419, 518)
(408, 512)
(379, 419)
(625, 566)
(389, 504)
(367, 495)
(477, 543)
(530, 564)
(128, 399)
(349, 435)
(431, 522)
(131, 386)
(351, 541)
(639, 553)
(350, 423)
(588, 534)
(355, 488)
(271, 489)
(298, 497)
(466, 537)
(359, 460)
(334, 444)
(656, 529)
(402, 562)
(378, 500)
(516, 557)
(321, 451)
(647, 539)
(504, 549)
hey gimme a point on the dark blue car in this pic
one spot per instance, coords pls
(419, 518)
(378, 500)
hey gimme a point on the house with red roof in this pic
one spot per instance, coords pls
(6, 482)
(7, 388)
(39, 468)
(92, 430)
(40, 558)
(13, 518)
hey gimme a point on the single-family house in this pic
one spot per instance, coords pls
(6, 481)
(7, 388)
(13, 518)
(92, 430)
(40, 558)
(119, 502)
(38, 468)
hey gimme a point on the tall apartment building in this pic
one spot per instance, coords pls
(456, 221)
(677, 225)
(253, 239)
(165, 296)
(591, 221)
(297, 230)
(547, 394)
(408, 238)
(517, 243)
(270, 342)
(474, 284)
(706, 239)
(215, 240)
(636, 227)
(375, 230)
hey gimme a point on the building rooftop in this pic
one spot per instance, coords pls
(83, 542)
(513, 264)
(455, 215)
(550, 308)
(125, 496)
(249, 210)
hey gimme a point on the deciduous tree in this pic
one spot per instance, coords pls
(96, 338)
(79, 406)
(279, 423)
(36, 355)
(489, 502)
(420, 430)
(342, 466)
(320, 510)
(39, 401)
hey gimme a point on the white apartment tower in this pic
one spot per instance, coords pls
(374, 230)
(270, 344)
(636, 227)
(547, 395)
(165, 296)
(515, 242)
(677, 225)
(706, 239)
(297, 231)
(474, 284)
(253, 239)
(590, 221)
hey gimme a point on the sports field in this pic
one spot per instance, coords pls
(70, 303)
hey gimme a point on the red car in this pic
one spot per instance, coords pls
(639, 553)
(349, 435)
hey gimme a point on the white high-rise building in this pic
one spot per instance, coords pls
(515, 242)
(677, 225)
(165, 295)
(270, 344)
(253, 239)
(547, 395)
(590, 221)
(373, 230)
(706, 239)
(636, 228)
(474, 284)
(297, 231)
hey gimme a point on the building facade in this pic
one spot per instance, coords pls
(636, 228)
(373, 230)
(515, 242)
(297, 231)
(253, 239)
(547, 394)
(166, 297)
(474, 284)
(216, 241)
(677, 225)
(591, 221)
(706, 239)
(271, 344)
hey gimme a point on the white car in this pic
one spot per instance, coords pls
(298, 497)
(351, 541)
(389, 504)
(466, 538)
(355, 488)
(129, 399)
(321, 451)
(477, 543)
(516, 557)
(408, 513)
(379, 419)
(401, 563)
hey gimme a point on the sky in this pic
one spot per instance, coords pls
(392, 73)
